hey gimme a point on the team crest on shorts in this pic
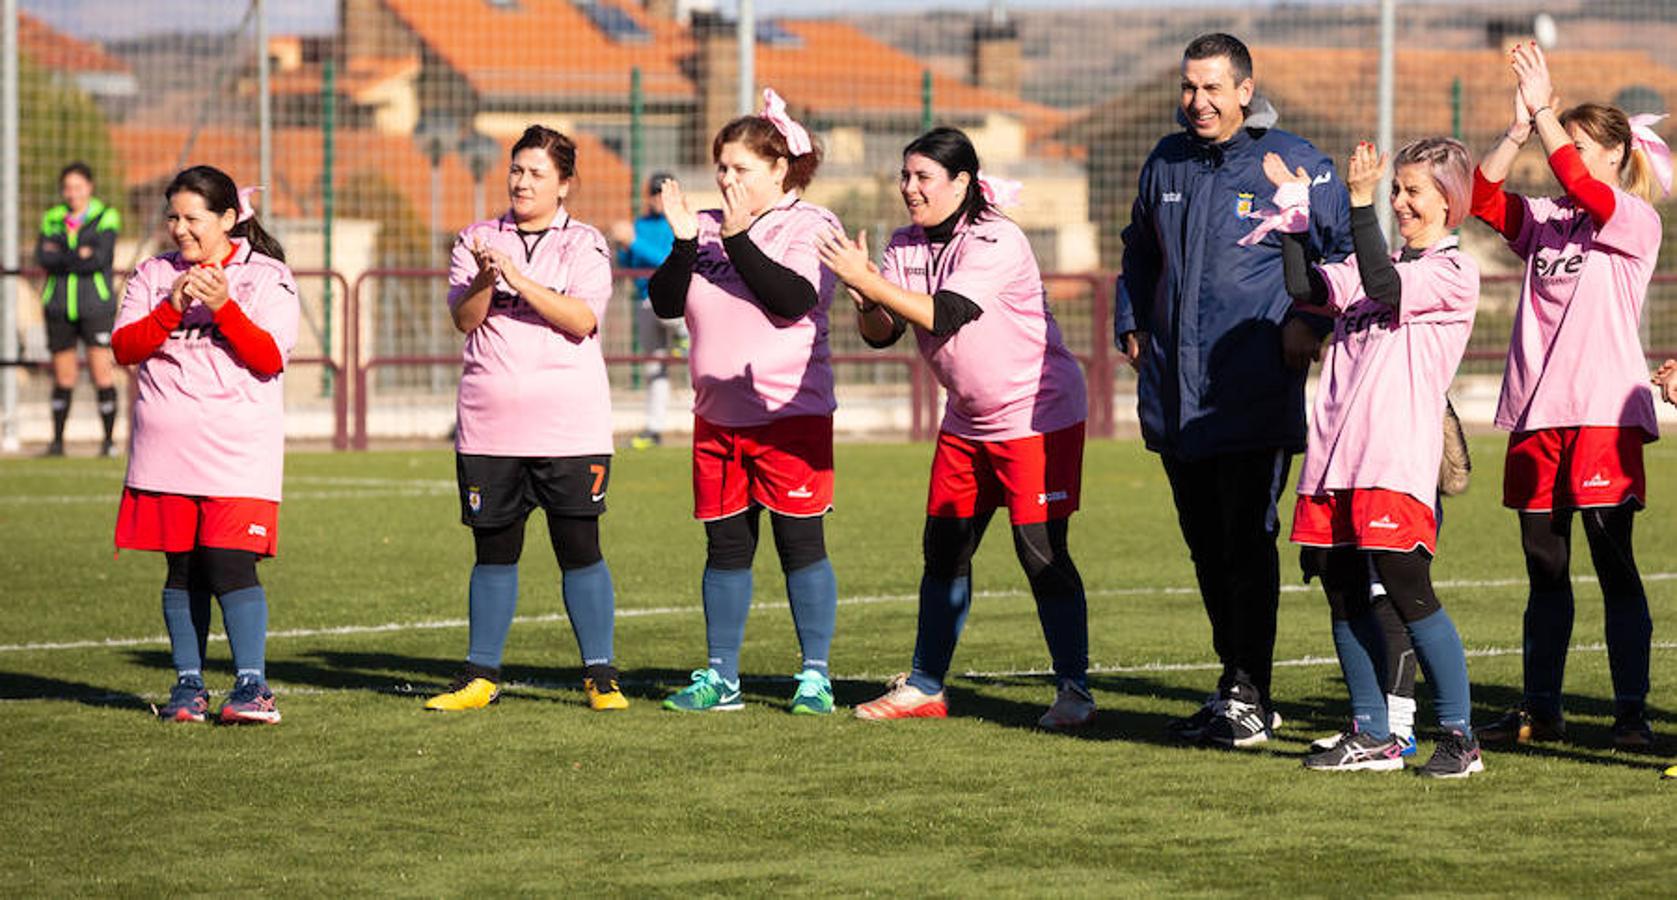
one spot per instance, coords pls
(1243, 205)
(474, 500)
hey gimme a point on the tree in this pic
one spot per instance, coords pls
(59, 124)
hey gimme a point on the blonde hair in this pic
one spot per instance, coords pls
(1610, 127)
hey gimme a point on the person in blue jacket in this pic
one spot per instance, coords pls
(1206, 322)
(644, 245)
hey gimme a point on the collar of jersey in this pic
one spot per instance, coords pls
(1448, 242)
(560, 220)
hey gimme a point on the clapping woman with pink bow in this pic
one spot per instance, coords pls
(963, 275)
(750, 284)
(1574, 394)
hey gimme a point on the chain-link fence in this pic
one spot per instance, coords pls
(389, 121)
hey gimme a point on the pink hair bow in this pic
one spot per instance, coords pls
(1291, 215)
(774, 109)
(1659, 155)
(246, 211)
(1000, 192)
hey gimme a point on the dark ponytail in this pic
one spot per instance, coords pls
(220, 195)
(952, 149)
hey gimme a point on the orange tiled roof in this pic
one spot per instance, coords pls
(150, 155)
(545, 47)
(357, 75)
(53, 49)
(1333, 84)
(839, 69)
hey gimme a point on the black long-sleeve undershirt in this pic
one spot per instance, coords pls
(1381, 283)
(779, 289)
(950, 311)
(1305, 283)
(898, 326)
(667, 288)
(1374, 261)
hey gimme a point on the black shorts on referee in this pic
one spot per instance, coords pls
(92, 327)
(496, 491)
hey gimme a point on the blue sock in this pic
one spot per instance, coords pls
(813, 592)
(589, 602)
(184, 645)
(244, 612)
(1357, 653)
(1445, 664)
(1548, 632)
(943, 613)
(727, 594)
(1629, 632)
(491, 602)
(1065, 627)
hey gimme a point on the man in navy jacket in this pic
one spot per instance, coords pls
(1222, 360)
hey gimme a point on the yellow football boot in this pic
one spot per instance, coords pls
(473, 689)
(602, 690)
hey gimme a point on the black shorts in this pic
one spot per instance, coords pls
(92, 327)
(496, 491)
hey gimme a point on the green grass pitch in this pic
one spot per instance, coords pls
(360, 792)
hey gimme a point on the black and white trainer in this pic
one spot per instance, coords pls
(1358, 752)
(1455, 756)
(1188, 729)
(1241, 720)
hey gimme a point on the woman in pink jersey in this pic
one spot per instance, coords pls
(1575, 393)
(964, 276)
(529, 289)
(210, 326)
(1371, 465)
(750, 284)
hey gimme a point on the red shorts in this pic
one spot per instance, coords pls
(786, 465)
(1574, 468)
(175, 523)
(1038, 477)
(1365, 518)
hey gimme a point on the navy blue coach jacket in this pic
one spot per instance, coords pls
(1213, 381)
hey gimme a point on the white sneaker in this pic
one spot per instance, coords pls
(1073, 708)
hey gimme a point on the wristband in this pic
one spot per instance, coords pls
(1540, 111)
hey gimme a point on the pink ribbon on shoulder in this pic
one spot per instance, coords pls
(1291, 214)
(774, 109)
(246, 211)
(1000, 192)
(1659, 155)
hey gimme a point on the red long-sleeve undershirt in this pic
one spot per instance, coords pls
(1490, 202)
(133, 343)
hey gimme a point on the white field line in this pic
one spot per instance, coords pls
(635, 613)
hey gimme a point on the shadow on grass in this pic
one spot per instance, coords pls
(1589, 742)
(15, 686)
(422, 676)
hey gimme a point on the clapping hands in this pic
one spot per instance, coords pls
(1536, 89)
(683, 222)
(845, 258)
(1665, 381)
(204, 283)
(1363, 172)
(1276, 169)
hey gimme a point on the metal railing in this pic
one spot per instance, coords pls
(351, 363)
(340, 400)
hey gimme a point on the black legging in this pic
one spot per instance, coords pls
(731, 543)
